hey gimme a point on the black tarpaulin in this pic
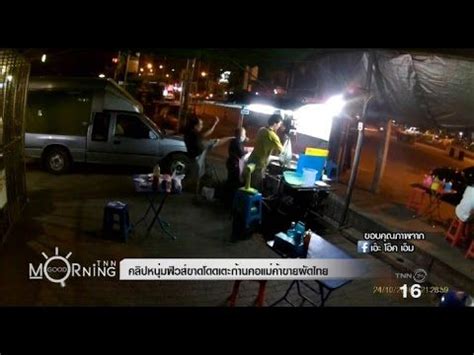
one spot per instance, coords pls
(425, 90)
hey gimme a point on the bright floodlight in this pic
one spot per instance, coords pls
(43, 58)
(335, 105)
(259, 108)
(314, 120)
(101, 76)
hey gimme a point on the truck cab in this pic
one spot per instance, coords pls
(120, 137)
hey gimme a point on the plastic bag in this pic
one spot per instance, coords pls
(286, 154)
(165, 183)
(176, 183)
(208, 193)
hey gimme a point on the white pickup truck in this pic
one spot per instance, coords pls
(94, 121)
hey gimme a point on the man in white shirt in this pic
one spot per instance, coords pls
(466, 206)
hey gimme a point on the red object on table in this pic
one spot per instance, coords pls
(435, 198)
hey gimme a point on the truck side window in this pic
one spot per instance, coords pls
(131, 127)
(100, 128)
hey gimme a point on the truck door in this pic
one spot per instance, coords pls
(99, 145)
(133, 141)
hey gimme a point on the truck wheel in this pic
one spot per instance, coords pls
(179, 160)
(57, 160)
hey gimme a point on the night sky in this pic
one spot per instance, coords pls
(91, 62)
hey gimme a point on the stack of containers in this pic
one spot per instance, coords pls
(311, 165)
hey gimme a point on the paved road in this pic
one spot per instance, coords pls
(406, 163)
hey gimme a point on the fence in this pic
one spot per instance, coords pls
(14, 74)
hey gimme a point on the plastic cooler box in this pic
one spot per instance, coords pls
(311, 162)
(318, 152)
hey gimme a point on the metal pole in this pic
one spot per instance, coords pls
(241, 119)
(246, 78)
(186, 88)
(117, 65)
(382, 158)
(360, 139)
(193, 66)
(186, 97)
(355, 165)
(342, 157)
(345, 137)
(184, 92)
(126, 71)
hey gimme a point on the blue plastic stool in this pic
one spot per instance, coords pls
(116, 213)
(248, 206)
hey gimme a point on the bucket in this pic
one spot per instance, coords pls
(309, 176)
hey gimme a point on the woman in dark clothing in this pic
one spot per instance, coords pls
(234, 161)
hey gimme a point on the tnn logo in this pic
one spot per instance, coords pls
(404, 275)
(418, 275)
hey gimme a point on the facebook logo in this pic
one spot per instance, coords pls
(363, 246)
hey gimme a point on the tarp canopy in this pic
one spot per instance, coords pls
(427, 90)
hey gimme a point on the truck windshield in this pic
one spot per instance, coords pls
(153, 125)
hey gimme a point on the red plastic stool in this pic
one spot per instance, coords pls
(456, 231)
(470, 250)
(416, 199)
(258, 301)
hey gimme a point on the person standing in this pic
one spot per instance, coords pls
(198, 148)
(194, 137)
(267, 142)
(234, 161)
(465, 208)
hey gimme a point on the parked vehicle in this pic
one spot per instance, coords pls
(413, 130)
(93, 121)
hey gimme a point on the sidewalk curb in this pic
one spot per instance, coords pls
(440, 273)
